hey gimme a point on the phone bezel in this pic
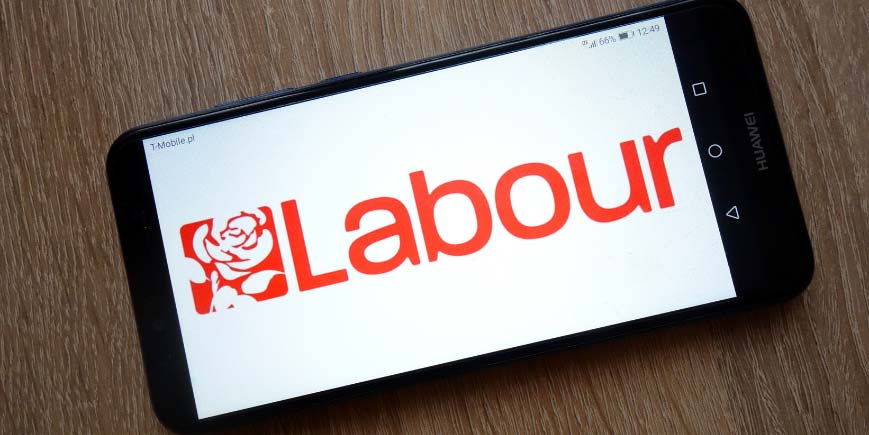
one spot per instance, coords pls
(784, 270)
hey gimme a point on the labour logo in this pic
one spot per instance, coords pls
(238, 260)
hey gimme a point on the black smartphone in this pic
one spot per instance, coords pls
(529, 195)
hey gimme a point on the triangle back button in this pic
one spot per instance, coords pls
(733, 213)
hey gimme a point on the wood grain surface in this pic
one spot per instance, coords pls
(76, 74)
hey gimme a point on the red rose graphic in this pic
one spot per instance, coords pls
(233, 261)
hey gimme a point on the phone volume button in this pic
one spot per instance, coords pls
(282, 91)
(253, 98)
(341, 77)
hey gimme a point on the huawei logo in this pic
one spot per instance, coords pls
(756, 141)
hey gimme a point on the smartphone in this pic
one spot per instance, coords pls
(529, 195)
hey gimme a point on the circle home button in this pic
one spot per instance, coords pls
(715, 151)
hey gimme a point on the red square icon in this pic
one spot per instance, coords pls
(233, 261)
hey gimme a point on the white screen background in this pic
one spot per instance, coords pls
(471, 122)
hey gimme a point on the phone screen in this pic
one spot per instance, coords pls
(480, 207)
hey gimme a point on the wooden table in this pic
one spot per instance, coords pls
(76, 74)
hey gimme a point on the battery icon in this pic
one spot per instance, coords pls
(623, 35)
